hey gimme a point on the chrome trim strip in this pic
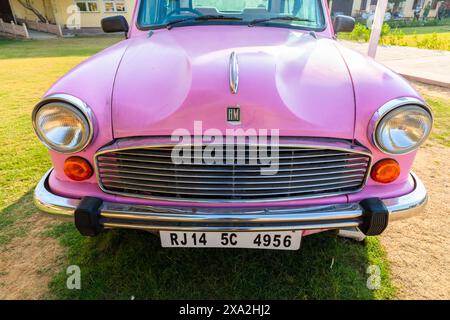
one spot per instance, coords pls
(234, 73)
(334, 216)
(232, 228)
(293, 142)
(388, 107)
(75, 102)
(285, 142)
(165, 156)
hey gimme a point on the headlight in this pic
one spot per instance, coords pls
(402, 126)
(63, 123)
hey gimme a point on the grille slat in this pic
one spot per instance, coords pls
(245, 181)
(188, 168)
(303, 172)
(228, 186)
(223, 194)
(288, 162)
(224, 175)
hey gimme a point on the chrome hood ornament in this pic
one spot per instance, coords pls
(234, 73)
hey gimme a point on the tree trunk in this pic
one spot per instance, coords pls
(27, 5)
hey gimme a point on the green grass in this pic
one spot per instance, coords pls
(426, 30)
(121, 264)
(441, 112)
(77, 46)
(27, 69)
(430, 24)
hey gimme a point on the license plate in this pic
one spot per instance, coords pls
(281, 240)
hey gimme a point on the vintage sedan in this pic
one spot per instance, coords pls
(231, 124)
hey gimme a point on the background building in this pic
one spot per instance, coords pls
(405, 8)
(63, 12)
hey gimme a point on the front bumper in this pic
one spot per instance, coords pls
(152, 218)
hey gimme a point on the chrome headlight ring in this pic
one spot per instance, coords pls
(79, 109)
(388, 112)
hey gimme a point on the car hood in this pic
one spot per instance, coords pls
(288, 80)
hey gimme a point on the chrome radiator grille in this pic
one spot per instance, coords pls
(148, 172)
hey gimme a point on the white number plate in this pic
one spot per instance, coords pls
(278, 240)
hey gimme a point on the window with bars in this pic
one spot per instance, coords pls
(87, 5)
(363, 5)
(434, 4)
(114, 5)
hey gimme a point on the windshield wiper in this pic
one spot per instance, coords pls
(201, 18)
(287, 18)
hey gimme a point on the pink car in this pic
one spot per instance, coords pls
(231, 124)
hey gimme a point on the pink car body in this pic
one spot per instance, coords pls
(307, 86)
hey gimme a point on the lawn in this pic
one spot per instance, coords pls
(426, 29)
(441, 110)
(27, 69)
(122, 264)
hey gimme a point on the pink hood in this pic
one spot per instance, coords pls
(287, 80)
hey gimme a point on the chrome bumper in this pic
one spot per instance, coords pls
(336, 216)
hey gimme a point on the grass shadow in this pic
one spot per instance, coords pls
(120, 264)
(13, 216)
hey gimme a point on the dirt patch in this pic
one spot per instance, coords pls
(28, 263)
(419, 248)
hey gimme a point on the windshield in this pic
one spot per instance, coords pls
(308, 14)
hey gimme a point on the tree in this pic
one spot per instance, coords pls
(27, 5)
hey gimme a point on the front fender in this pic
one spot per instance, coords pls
(374, 85)
(91, 81)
